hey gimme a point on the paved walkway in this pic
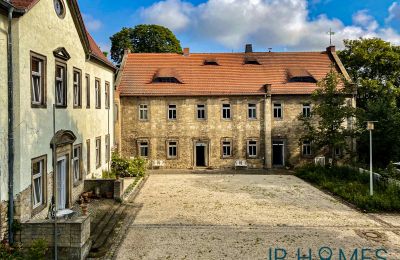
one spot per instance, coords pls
(241, 216)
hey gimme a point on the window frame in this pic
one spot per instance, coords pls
(226, 140)
(306, 149)
(307, 109)
(204, 109)
(107, 95)
(256, 145)
(97, 93)
(253, 109)
(88, 168)
(140, 145)
(43, 203)
(168, 146)
(43, 84)
(78, 85)
(77, 160)
(107, 148)
(172, 110)
(87, 82)
(98, 152)
(279, 107)
(227, 109)
(64, 79)
(144, 109)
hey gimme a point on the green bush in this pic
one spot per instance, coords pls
(37, 251)
(128, 167)
(353, 187)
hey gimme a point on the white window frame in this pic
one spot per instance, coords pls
(172, 112)
(107, 143)
(226, 111)
(278, 110)
(76, 163)
(306, 148)
(37, 83)
(77, 89)
(252, 111)
(172, 145)
(98, 152)
(143, 112)
(226, 146)
(38, 175)
(60, 86)
(306, 110)
(201, 109)
(87, 80)
(107, 95)
(97, 92)
(251, 148)
(143, 145)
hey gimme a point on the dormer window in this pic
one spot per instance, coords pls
(300, 75)
(166, 75)
(251, 60)
(211, 61)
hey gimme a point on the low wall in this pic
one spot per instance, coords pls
(116, 186)
(73, 236)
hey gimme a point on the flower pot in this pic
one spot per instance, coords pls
(84, 208)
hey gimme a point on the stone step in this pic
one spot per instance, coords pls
(96, 228)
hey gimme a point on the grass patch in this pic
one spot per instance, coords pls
(353, 187)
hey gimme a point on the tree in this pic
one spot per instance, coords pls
(144, 38)
(374, 66)
(326, 127)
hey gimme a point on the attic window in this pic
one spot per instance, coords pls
(300, 75)
(251, 60)
(211, 61)
(166, 75)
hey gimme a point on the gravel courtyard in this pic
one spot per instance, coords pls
(212, 216)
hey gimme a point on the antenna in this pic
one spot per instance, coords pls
(330, 36)
(269, 49)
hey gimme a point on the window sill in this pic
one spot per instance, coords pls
(61, 106)
(77, 183)
(172, 158)
(227, 157)
(38, 209)
(77, 107)
(38, 105)
(252, 119)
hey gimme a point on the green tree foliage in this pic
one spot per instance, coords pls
(144, 38)
(374, 66)
(327, 128)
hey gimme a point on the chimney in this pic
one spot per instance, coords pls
(186, 51)
(249, 48)
(331, 49)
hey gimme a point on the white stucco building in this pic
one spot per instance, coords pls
(55, 63)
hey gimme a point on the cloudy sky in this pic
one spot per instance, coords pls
(227, 25)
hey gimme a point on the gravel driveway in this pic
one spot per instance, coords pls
(212, 216)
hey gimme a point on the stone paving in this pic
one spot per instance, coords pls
(242, 216)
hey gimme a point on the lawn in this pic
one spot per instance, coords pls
(353, 187)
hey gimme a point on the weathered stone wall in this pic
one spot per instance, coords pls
(3, 219)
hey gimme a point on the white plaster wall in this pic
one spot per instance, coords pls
(3, 108)
(42, 31)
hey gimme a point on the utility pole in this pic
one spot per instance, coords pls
(370, 127)
(330, 33)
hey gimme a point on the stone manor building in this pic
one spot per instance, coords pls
(215, 109)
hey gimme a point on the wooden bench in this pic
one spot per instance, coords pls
(240, 163)
(158, 163)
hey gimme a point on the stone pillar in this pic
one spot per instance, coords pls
(268, 127)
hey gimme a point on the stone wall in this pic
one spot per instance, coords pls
(3, 219)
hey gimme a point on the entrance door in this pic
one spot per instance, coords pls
(278, 153)
(61, 183)
(201, 155)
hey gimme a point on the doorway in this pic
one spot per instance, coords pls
(62, 183)
(201, 155)
(278, 153)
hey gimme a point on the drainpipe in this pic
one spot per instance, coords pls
(10, 129)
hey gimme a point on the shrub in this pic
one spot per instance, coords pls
(128, 167)
(38, 250)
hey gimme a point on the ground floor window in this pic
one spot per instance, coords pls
(252, 148)
(172, 149)
(76, 162)
(38, 181)
(143, 148)
(306, 148)
(87, 156)
(226, 148)
(108, 148)
(98, 152)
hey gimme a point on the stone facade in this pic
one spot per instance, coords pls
(187, 130)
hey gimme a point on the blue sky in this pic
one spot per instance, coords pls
(226, 25)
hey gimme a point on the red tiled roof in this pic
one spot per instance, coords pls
(95, 50)
(231, 77)
(24, 4)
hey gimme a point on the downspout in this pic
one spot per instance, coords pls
(10, 129)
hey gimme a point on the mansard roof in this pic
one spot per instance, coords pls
(231, 77)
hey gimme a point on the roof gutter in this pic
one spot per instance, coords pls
(10, 127)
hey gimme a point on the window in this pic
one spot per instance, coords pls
(226, 148)
(166, 80)
(172, 149)
(39, 182)
(77, 89)
(171, 112)
(76, 162)
(38, 81)
(98, 152)
(201, 111)
(306, 148)
(61, 85)
(226, 111)
(252, 111)
(97, 89)
(87, 79)
(143, 149)
(143, 112)
(306, 110)
(88, 156)
(252, 148)
(116, 114)
(277, 110)
(107, 95)
(337, 151)
(107, 148)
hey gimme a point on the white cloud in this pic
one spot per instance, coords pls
(91, 23)
(266, 23)
(394, 12)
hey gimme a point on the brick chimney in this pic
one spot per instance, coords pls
(186, 51)
(248, 48)
(331, 49)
